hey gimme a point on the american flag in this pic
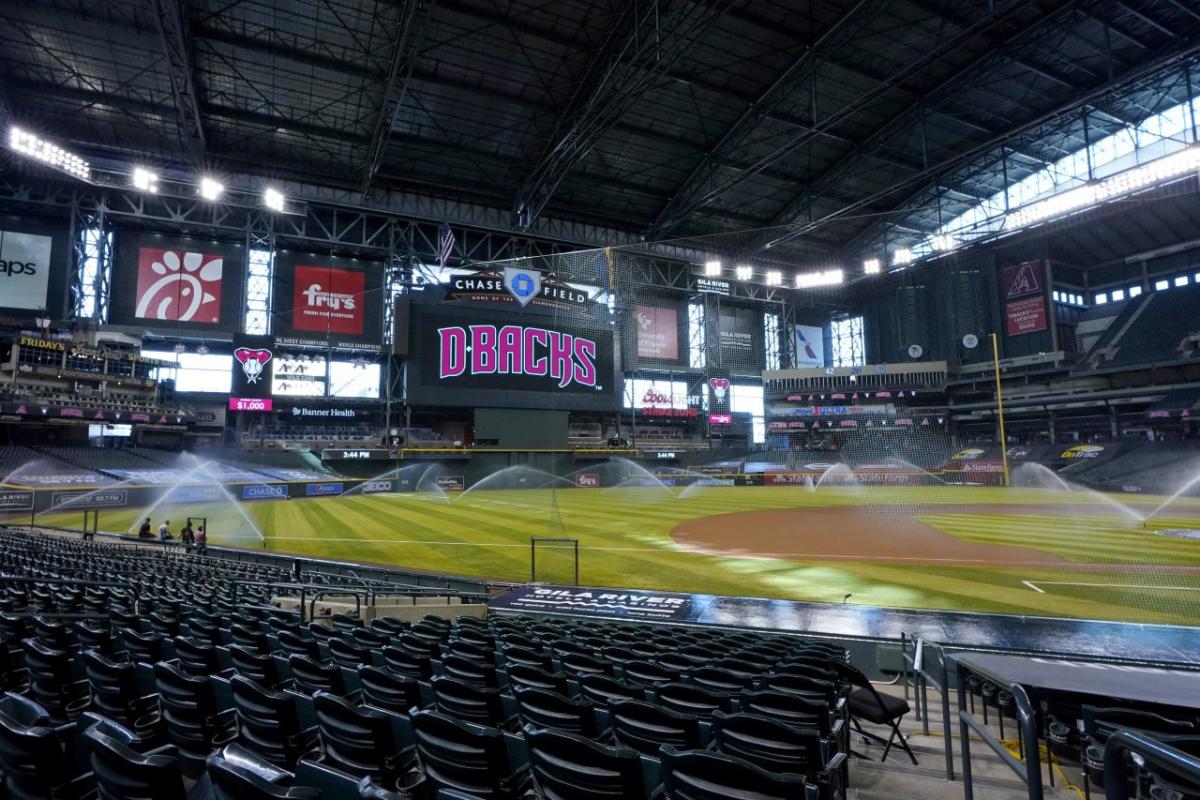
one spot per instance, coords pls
(445, 243)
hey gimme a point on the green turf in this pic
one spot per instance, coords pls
(624, 542)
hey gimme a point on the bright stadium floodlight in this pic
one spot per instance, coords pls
(273, 199)
(811, 280)
(27, 144)
(942, 242)
(1131, 180)
(145, 180)
(774, 277)
(712, 269)
(211, 189)
(871, 266)
(743, 272)
(902, 257)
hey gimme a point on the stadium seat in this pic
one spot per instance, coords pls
(250, 638)
(193, 721)
(547, 709)
(520, 675)
(116, 695)
(122, 772)
(312, 676)
(467, 758)
(581, 664)
(52, 681)
(691, 699)
(348, 653)
(809, 712)
(779, 747)
(404, 662)
(569, 767)
(362, 741)
(292, 643)
(95, 635)
(802, 685)
(144, 648)
(526, 656)
(387, 690)
(466, 701)
(645, 726)
(476, 672)
(704, 775)
(718, 679)
(269, 723)
(35, 758)
(606, 691)
(258, 667)
(236, 773)
(196, 657)
(1100, 723)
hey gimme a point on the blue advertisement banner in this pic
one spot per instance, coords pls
(318, 489)
(263, 492)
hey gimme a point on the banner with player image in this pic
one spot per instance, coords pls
(337, 299)
(173, 282)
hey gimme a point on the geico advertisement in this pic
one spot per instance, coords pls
(24, 269)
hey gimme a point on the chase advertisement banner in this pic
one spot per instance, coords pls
(332, 299)
(477, 357)
(511, 286)
(173, 282)
(264, 492)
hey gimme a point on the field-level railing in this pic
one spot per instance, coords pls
(1151, 754)
(1029, 770)
(923, 678)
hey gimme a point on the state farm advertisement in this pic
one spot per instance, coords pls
(657, 332)
(328, 300)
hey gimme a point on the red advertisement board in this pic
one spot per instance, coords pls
(587, 479)
(328, 300)
(178, 285)
(1025, 316)
(657, 332)
(1022, 279)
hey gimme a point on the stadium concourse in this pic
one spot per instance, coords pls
(682, 399)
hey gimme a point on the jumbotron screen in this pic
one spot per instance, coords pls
(478, 357)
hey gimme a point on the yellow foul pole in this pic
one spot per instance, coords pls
(1000, 406)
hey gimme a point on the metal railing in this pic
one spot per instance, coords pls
(1029, 770)
(940, 682)
(1163, 758)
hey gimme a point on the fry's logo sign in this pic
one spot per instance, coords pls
(178, 285)
(252, 361)
(516, 350)
(328, 300)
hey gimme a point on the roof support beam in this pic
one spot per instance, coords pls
(641, 44)
(936, 53)
(171, 18)
(688, 197)
(798, 207)
(400, 67)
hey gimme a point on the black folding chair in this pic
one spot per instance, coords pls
(865, 703)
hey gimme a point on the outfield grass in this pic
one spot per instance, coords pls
(625, 542)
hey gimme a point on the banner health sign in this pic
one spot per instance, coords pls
(481, 357)
(168, 281)
(318, 489)
(264, 492)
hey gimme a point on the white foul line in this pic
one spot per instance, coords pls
(1113, 586)
(1033, 586)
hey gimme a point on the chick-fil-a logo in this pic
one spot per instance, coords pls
(516, 350)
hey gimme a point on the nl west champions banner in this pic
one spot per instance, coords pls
(518, 360)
